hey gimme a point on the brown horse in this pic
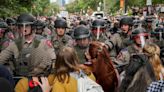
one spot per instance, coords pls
(102, 67)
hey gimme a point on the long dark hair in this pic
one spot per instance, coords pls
(66, 62)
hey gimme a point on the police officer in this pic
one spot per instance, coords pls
(50, 23)
(60, 38)
(11, 23)
(99, 33)
(139, 36)
(149, 23)
(12, 30)
(126, 27)
(39, 28)
(82, 36)
(27, 52)
(4, 40)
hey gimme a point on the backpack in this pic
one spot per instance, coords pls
(33, 88)
(85, 84)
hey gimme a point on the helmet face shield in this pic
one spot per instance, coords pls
(98, 27)
(141, 38)
(97, 31)
(25, 29)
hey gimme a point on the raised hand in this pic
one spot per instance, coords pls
(45, 84)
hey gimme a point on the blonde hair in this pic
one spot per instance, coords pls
(153, 52)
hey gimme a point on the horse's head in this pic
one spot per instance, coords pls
(98, 53)
(102, 66)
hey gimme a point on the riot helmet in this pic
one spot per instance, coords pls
(98, 23)
(139, 36)
(25, 19)
(60, 23)
(126, 23)
(39, 26)
(81, 32)
(98, 27)
(25, 24)
(82, 36)
(10, 21)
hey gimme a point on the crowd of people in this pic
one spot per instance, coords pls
(50, 54)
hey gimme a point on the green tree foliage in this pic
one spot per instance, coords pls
(37, 7)
(79, 5)
(112, 6)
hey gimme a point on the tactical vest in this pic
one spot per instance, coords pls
(126, 42)
(132, 50)
(59, 43)
(81, 54)
(22, 62)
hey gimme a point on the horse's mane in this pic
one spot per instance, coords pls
(104, 70)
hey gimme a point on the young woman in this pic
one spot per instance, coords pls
(153, 53)
(67, 63)
(142, 70)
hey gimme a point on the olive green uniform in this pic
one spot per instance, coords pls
(32, 56)
(60, 42)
